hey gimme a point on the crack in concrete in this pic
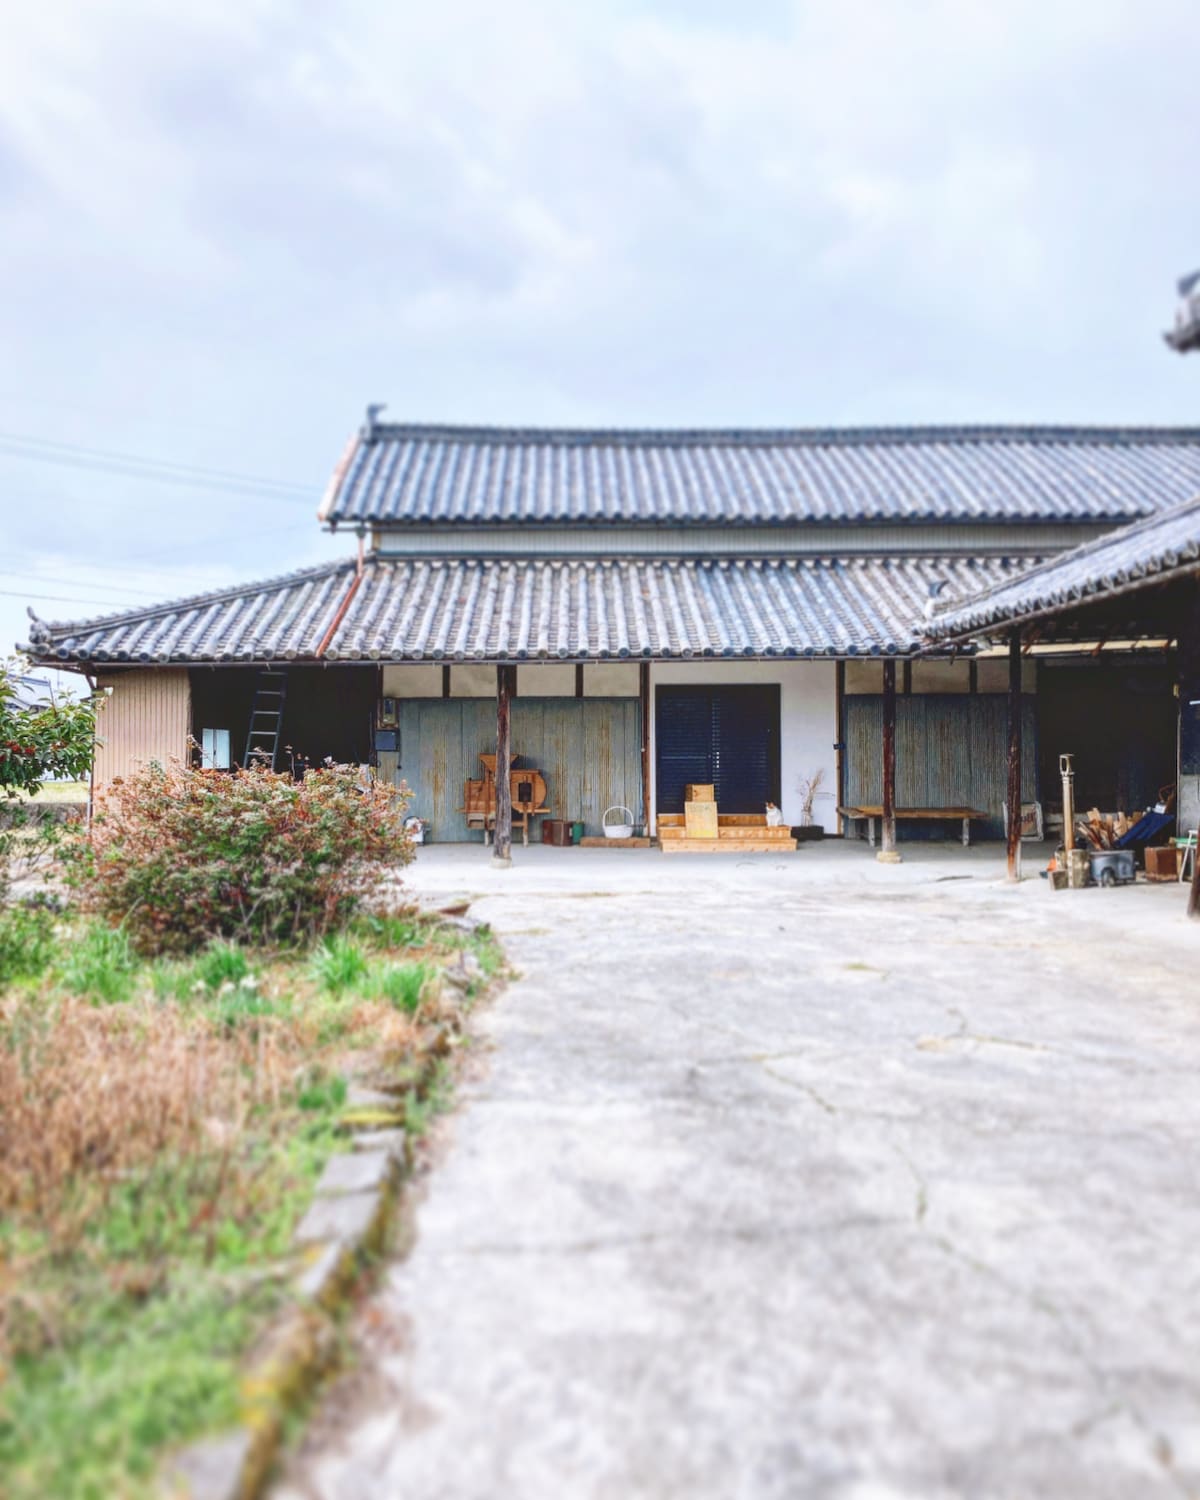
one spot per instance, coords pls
(800, 1087)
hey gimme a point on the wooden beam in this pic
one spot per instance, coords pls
(445, 679)
(839, 747)
(644, 697)
(907, 678)
(887, 851)
(502, 839)
(1014, 756)
(972, 676)
(579, 679)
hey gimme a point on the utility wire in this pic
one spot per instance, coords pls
(50, 445)
(62, 599)
(107, 588)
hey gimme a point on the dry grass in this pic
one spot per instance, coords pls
(94, 1094)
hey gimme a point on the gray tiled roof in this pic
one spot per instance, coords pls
(404, 475)
(1146, 551)
(285, 616)
(457, 610)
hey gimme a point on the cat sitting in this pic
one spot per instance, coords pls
(774, 816)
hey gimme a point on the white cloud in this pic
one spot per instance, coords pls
(229, 225)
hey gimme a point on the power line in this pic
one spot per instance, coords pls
(157, 463)
(61, 599)
(107, 588)
(132, 466)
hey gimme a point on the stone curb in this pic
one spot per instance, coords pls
(346, 1223)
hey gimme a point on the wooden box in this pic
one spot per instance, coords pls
(556, 831)
(1162, 863)
(698, 792)
(700, 820)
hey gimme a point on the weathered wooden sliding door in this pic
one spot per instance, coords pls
(588, 749)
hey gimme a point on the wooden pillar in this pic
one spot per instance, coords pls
(1188, 643)
(1013, 797)
(839, 747)
(888, 852)
(644, 696)
(502, 840)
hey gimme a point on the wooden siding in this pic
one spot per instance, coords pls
(588, 749)
(146, 717)
(951, 751)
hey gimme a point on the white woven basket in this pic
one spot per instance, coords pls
(617, 830)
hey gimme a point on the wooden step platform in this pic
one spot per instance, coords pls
(737, 833)
(724, 845)
(603, 843)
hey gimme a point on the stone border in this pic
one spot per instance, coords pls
(346, 1223)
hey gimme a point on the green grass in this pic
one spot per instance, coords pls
(338, 965)
(403, 984)
(87, 1421)
(222, 963)
(26, 943)
(130, 1341)
(99, 964)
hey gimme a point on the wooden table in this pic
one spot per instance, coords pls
(939, 814)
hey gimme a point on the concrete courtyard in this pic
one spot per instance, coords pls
(797, 1176)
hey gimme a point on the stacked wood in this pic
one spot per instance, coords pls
(1100, 830)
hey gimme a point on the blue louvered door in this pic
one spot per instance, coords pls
(728, 736)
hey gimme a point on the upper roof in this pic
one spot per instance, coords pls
(400, 475)
(1149, 551)
(519, 610)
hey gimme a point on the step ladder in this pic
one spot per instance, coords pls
(266, 720)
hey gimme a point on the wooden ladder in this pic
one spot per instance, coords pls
(266, 719)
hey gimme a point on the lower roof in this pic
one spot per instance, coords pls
(402, 609)
(1149, 552)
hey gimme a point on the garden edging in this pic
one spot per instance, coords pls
(345, 1225)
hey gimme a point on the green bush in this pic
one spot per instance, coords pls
(26, 942)
(183, 856)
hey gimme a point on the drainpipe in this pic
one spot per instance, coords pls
(345, 604)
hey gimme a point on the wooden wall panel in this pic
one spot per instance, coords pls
(951, 750)
(146, 717)
(588, 749)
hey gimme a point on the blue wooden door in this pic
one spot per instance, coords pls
(726, 736)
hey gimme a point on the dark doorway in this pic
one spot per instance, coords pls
(726, 736)
(1118, 718)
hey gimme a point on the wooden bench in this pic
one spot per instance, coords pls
(965, 815)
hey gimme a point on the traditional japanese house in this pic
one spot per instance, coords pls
(663, 608)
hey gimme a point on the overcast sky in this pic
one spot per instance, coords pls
(227, 226)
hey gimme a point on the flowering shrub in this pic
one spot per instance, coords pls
(181, 856)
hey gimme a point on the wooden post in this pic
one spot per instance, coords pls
(644, 695)
(502, 840)
(839, 748)
(888, 853)
(1188, 644)
(1013, 802)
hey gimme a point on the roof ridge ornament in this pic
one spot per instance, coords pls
(370, 428)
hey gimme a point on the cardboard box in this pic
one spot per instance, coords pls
(698, 792)
(700, 820)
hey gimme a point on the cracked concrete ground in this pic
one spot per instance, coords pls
(798, 1176)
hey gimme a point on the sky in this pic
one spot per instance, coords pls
(225, 227)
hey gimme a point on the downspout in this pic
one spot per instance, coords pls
(345, 604)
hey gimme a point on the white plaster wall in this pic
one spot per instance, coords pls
(401, 680)
(545, 680)
(610, 679)
(808, 720)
